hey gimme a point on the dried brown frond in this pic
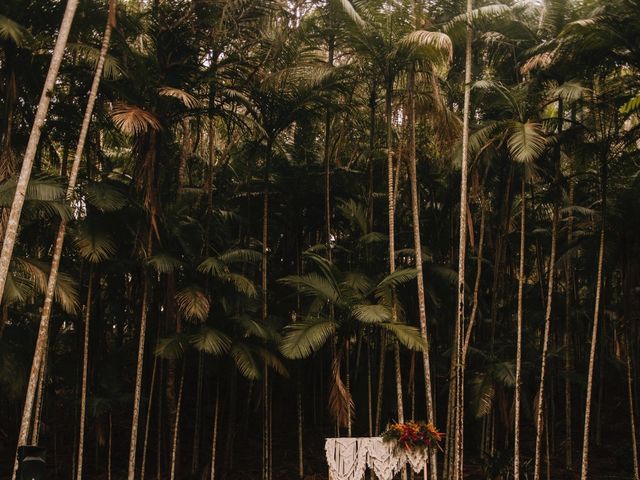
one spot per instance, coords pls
(134, 120)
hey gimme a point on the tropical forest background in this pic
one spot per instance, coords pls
(234, 228)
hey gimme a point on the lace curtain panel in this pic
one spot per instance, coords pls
(348, 458)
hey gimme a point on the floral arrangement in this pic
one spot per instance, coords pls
(412, 435)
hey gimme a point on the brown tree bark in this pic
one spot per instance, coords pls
(85, 374)
(594, 338)
(520, 314)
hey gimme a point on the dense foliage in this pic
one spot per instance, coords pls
(254, 180)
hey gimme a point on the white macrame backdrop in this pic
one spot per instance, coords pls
(348, 458)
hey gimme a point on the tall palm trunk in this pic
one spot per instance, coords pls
(11, 231)
(594, 335)
(43, 330)
(391, 197)
(139, 365)
(567, 342)
(300, 428)
(195, 458)
(380, 391)
(176, 424)
(109, 447)
(549, 302)
(266, 443)
(518, 386)
(145, 440)
(422, 309)
(85, 372)
(632, 412)
(327, 165)
(476, 286)
(214, 436)
(185, 151)
(462, 248)
(545, 343)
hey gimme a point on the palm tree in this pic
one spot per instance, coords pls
(349, 292)
(94, 248)
(11, 231)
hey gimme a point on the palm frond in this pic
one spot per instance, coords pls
(171, 348)
(302, 339)
(631, 106)
(193, 303)
(341, 403)
(505, 373)
(16, 290)
(211, 341)
(40, 189)
(253, 328)
(569, 91)
(164, 263)
(213, 266)
(313, 285)
(272, 361)
(65, 293)
(93, 244)
(397, 278)
(483, 394)
(373, 237)
(456, 27)
(133, 120)
(240, 255)
(431, 46)
(90, 54)
(347, 7)
(12, 31)
(357, 281)
(242, 284)
(526, 141)
(185, 98)
(375, 313)
(105, 197)
(539, 61)
(245, 361)
(407, 335)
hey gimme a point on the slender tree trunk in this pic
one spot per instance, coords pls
(185, 151)
(214, 438)
(10, 237)
(518, 386)
(632, 412)
(391, 197)
(25, 174)
(476, 286)
(380, 391)
(195, 459)
(327, 164)
(109, 447)
(265, 251)
(369, 391)
(140, 364)
(568, 443)
(545, 342)
(37, 415)
(143, 462)
(85, 373)
(458, 472)
(422, 309)
(176, 425)
(300, 429)
(594, 337)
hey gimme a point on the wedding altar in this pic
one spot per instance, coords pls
(349, 458)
